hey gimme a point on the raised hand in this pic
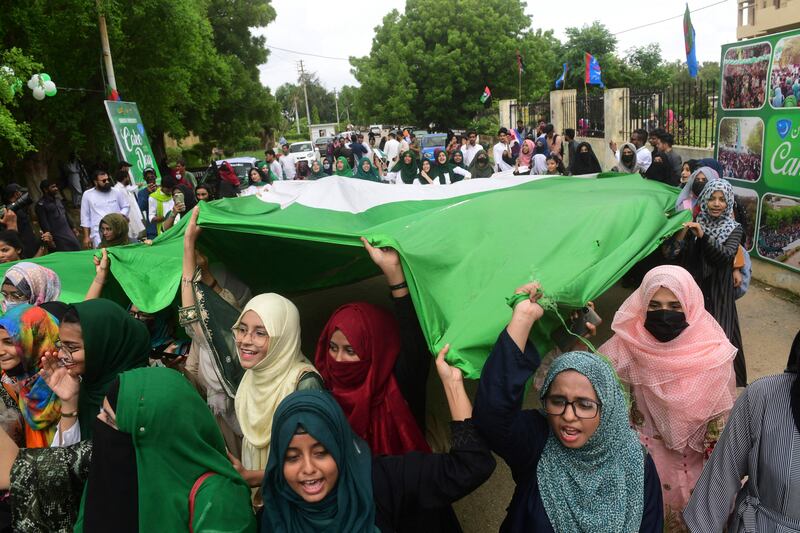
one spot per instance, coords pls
(386, 258)
(529, 307)
(58, 378)
(193, 231)
(448, 374)
(101, 265)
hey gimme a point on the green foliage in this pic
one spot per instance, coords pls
(321, 101)
(424, 70)
(776, 218)
(17, 69)
(191, 66)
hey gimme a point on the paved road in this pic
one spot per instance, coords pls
(769, 319)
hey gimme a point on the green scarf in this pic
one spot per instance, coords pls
(346, 170)
(177, 440)
(113, 343)
(408, 172)
(160, 199)
(349, 507)
(119, 225)
(599, 487)
(369, 175)
(317, 175)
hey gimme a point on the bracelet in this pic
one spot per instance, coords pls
(402, 285)
(74, 414)
(187, 281)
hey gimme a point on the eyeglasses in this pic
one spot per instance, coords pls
(257, 336)
(67, 361)
(582, 407)
(15, 296)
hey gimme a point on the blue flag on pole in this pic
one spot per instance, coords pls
(689, 43)
(560, 80)
(593, 74)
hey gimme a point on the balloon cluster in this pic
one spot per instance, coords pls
(42, 86)
(14, 83)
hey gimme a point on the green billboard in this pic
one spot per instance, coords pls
(758, 141)
(131, 138)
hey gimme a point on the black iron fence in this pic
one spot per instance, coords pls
(686, 110)
(589, 119)
(531, 113)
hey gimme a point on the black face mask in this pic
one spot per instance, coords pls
(664, 324)
(627, 159)
(697, 187)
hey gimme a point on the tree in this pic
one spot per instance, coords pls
(644, 67)
(423, 70)
(191, 65)
(321, 101)
(597, 40)
(15, 68)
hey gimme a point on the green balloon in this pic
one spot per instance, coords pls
(51, 92)
(44, 76)
(17, 85)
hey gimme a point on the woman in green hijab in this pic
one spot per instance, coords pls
(321, 477)
(113, 230)
(365, 171)
(343, 167)
(159, 462)
(444, 172)
(406, 170)
(98, 340)
(578, 465)
(316, 171)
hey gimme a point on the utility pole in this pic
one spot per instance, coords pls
(296, 117)
(336, 98)
(302, 72)
(111, 80)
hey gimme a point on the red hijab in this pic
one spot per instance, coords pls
(367, 390)
(226, 173)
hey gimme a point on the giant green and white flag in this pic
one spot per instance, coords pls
(464, 247)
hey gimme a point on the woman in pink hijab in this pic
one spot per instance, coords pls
(678, 364)
(524, 158)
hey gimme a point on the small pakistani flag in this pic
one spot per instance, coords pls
(486, 94)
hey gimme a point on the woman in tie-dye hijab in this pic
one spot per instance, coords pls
(26, 333)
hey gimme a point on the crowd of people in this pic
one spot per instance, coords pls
(785, 86)
(771, 242)
(208, 416)
(744, 77)
(741, 165)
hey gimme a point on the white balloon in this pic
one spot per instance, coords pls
(33, 82)
(49, 86)
(38, 93)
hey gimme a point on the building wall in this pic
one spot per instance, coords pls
(761, 17)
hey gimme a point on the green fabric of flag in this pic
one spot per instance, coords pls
(464, 247)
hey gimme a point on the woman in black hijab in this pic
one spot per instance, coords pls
(585, 160)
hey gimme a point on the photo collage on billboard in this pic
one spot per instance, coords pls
(758, 142)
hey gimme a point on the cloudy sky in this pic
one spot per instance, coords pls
(315, 28)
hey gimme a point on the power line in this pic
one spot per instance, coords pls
(670, 18)
(307, 53)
